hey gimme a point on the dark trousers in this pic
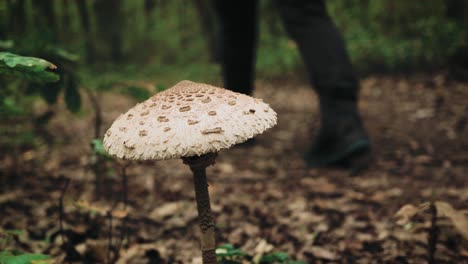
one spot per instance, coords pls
(308, 23)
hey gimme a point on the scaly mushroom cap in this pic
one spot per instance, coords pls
(188, 119)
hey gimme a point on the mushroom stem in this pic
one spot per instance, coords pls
(198, 166)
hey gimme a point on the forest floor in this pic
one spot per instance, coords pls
(263, 197)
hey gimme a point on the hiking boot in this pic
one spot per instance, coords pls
(342, 141)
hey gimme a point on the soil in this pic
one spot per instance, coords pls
(263, 197)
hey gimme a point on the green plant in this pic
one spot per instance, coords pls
(9, 257)
(15, 106)
(16, 257)
(29, 68)
(228, 254)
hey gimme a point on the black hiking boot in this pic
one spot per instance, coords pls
(342, 141)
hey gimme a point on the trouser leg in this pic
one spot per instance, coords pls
(238, 42)
(321, 47)
(330, 71)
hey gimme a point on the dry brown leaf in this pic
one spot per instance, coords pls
(166, 210)
(407, 212)
(102, 210)
(323, 253)
(119, 213)
(9, 196)
(262, 247)
(459, 220)
(88, 207)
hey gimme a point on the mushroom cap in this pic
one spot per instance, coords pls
(188, 119)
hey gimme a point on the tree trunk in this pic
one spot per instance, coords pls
(457, 9)
(86, 25)
(46, 17)
(16, 21)
(65, 26)
(208, 26)
(109, 18)
(149, 8)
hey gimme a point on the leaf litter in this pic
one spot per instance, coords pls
(264, 200)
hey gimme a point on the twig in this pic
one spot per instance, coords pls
(433, 234)
(123, 172)
(97, 112)
(109, 238)
(61, 216)
(124, 229)
(97, 167)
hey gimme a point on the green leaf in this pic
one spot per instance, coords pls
(98, 147)
(6, 44)
(29, 68)
(278, 257)
(7, 257)
(137, 93)
(72, 95)
(274, 257)
(227, 261)
(14, 232)
(160, 87)
(9, 106)
(64, 54)
(229, 255)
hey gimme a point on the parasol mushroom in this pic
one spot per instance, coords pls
(192, 121)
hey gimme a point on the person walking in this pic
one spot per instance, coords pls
(342, 140)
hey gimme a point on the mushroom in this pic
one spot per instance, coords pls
(192, 121)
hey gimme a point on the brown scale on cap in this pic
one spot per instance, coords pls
(127, 145)
(215, 130)
(163, 119)
(184, 108)
(212, 113)
(143, 133)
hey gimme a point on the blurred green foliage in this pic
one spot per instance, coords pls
(401, 35)
(14, 256)
(99, 44)
(15, 104)
(167, 41)
(228, 254)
